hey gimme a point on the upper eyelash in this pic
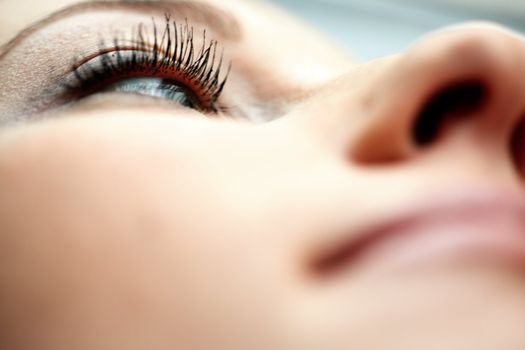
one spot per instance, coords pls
(173, 50)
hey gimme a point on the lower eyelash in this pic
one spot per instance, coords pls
(173, 54)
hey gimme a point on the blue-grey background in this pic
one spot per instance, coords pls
(375, 28)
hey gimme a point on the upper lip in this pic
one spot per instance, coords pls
(448, 205)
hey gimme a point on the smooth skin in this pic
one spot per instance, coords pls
(144, 226)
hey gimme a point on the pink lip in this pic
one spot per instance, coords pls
(479, 226)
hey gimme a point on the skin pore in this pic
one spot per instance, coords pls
(131, 222)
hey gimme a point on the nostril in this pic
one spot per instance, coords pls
(455, 101)
(518, 146)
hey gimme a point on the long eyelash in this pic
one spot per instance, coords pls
(172, 50)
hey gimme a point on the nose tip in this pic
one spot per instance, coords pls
(472, 72)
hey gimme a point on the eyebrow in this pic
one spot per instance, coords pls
(221, 22)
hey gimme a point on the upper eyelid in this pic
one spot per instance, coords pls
(222, 23)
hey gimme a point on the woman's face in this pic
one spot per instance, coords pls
(310, 203)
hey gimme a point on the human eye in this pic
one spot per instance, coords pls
(172, 57)
(164, 64)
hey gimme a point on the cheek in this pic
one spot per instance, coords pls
(144, 228)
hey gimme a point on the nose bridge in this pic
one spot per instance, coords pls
(474, 73)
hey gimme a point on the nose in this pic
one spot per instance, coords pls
(464, 84)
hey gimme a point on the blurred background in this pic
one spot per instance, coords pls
(375, 28)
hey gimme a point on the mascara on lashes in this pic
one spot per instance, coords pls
(171, 55)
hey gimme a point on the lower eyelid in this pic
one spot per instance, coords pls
(126, 101)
